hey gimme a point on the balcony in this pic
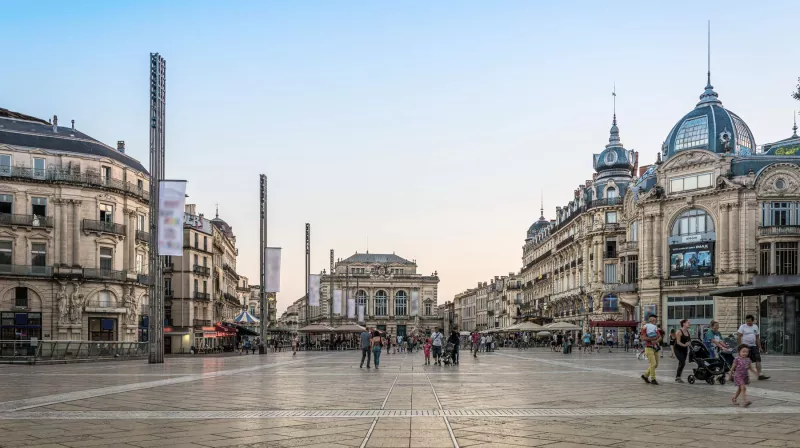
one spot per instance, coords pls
(608, 202)
(92, 179)
(779, 230)
(7, 219)
(629, 246)
(202, 295)
(625, 287)
(90, 225)
(201, 270)
(610, 254)
(105, 274)
(32, 271)
(691, 282)
(230, 298)
(143, 236)
(201, 323)
(144, 279)
(168, 267)
(168, 294)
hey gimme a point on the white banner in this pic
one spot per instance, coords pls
(414, 303)
(361, 313)
(171, 202)
(337, 301)
(351, 308)
(272, 268)
(313, 289)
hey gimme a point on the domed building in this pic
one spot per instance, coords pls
(74, 235)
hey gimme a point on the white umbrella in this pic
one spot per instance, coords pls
(349, 328)
(464, 333)
(543, 334)
(562, 326)
(528, 326)
(316, 328)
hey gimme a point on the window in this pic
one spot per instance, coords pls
(786, 258)
(205, 286)
(692, 133)
(140, 184)
(5, 165)
(427, 309)
(634, 233)
(611, 217)
(692, 222)
(5, 253)
(764, 258)
(106, 258)
(106, 213)
(196, 259)
(744, 142)
(205, 262)
(104, 299)
(106, 172)
(38, 168)
(6, 203)
(690, 182)
(139, 263)
(361, 299)
(632, 269)
(142, 224)
(400, 303)
(380, 303)
(205, 243)
(611, 274)
(39, 206)
(196, 245)
(168, 286)
(38, 254)
(611, 193)
(21, 297)
(196, 286)
(779, 214)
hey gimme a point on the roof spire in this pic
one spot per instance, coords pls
(794, 128)
(217, 204)
(614, 95)
(542, 209)
(613, 139)
(709, 96)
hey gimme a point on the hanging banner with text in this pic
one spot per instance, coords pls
(272, 268)
(313, 289)
(171, 202)
(337, 301)
(414, 303)
(351, 308)
(361, 313)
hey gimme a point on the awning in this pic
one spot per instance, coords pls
(614, 323)
(349, 328)
(177, 331)
(758, 290)
(246, 318)
(316, 328)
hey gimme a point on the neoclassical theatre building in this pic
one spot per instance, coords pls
(714, 211)
(73, 234)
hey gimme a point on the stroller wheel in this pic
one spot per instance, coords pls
(690, 379)
(722, 380)
(710, 380)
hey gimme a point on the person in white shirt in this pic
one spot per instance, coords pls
(400, 343)
(436, 342)
(749, 334)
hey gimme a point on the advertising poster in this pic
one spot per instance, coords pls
(337, 301)
(414, 303)
(361, 313)
(351, 308)
(649, 310)
(273, 268)
(313, 289)
(691, 260)
(171, 199)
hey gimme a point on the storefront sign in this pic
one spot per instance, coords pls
(691, 260)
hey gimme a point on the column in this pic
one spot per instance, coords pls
(658, 238)
(733, 240)
(63, 232)
(126, 245)
(722, 238)
(76, 233)
(132, 241)
(646, 266)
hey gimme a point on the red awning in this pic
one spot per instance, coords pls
(224, 329)
(614, 323)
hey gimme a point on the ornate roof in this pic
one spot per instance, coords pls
(376, 258)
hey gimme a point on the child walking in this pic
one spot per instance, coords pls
(740, 373)
(427, 349)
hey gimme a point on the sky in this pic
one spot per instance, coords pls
(427, 129)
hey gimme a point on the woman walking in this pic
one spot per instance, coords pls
(681, 347)
(376, 348)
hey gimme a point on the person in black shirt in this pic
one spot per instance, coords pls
(455, 340)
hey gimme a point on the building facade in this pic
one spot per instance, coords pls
(714, 211)
(387, 286)
(74, 235)
(490, 305)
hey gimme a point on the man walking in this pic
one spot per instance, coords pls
(400, 343)
(365, 347)
(750, 335)
(436, 339)
(651, 337)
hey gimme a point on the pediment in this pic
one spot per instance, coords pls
(690, 158)
(779, 180)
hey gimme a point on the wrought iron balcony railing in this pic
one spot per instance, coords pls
(91, 225)
(168, 294)
(34, 271)
(202, 295)
(143, 236)
(778, 230)
(105, 274)
(201, 323)
(202, 270)
(66, 176)
(8, 219)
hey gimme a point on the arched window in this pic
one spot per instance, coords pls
(610, 304)
(400, 303)
(361, 299)
(693, 222)
(380, 303)
(611, 193)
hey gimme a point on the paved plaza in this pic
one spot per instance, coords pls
(322, 399)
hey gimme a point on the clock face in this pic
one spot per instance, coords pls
(611, 157)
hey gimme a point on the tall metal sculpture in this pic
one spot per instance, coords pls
(158, 94)
(263, 296)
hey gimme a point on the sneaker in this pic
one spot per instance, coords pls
(362, 366)
(678, 380)
(654, 382)
(763, 377)
(646, 379)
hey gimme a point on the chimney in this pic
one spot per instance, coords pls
(55, 123)
(73, 124)
(121, 146)
(643, 170)
(636, 162)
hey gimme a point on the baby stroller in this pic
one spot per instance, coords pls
(447, 356)
(709, 369)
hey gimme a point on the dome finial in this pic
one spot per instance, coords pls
(709, 96)
(614, 96)
(613, 139)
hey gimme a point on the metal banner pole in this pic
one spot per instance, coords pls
(158, 83)
(330, 294)
(308, 270)
(263, 295)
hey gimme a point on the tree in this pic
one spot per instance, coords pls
(796, 95)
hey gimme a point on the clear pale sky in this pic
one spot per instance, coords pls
(429, 128)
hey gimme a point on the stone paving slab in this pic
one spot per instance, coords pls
(508, 398)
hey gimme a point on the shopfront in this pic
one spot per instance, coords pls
(698, 309)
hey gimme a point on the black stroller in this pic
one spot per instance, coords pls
(447, 356)
(709, 369)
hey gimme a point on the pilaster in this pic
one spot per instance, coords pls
(76, 233)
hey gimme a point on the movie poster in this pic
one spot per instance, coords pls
(691, 260)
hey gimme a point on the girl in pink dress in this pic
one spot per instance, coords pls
(740, 373)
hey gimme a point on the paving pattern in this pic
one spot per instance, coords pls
(503, 399)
